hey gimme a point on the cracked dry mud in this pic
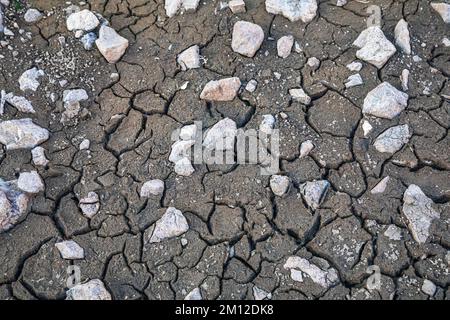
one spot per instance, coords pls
(364, 193)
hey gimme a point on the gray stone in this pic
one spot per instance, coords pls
(29, 79)
(284, 46)
(354, 80)
(221, 136)
(82, 20)
(13, 204)
(402, 39)
(21, 134)
(171, 224)
(314, 192)
(279, 184)
(189, 58)
(299, 95)
(385, 101)
(92, 290)
(88, 40)
(294, 10)
(39, 158)
(153, 187)
(237, 6)
(443, 9)
(22, 104)
(195, 294)
(30, 182)
(32, 15)
(90, 204)
(393, 139)
(301, 268)
(375, 48)
(247, 38)
(70, 250)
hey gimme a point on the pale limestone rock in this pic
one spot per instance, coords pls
(221, 136)
(29, 80)
(82, 20)
(180, 149)
(393, 232)
(21, 134)
(188, 132)
(39, 158)
(251, 85)
(110, 44)
(381, 186)
(428, 287)
(90, 204)
(260, 294)
(299, 95)
(419, 212)
(171, 224)
(32, 15)
(385, 101)
(314, 192)
(375, 48)
(284, 46)
(70, 250)
(404, 78)
(443, 9)
(354, 66)
(92, 290)
(267, 124)
(189, 58)
(367, 128)
(153, 187)
(172, 7)
(237, 6)
(402, 39)
(195, 294)
(74, 95)
(84, 145)
(305, 148)
(294, 10)
(313, 62)
(183, 167)
(323, 277)
(22, 104)
(393, 139)
(13, 204)
(30, 182)
(354, 80)
(221, 90)
(247, 38)
(279, 184)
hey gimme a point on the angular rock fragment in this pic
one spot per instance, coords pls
(284, 46)
(393, 233)
(260, 294)
(443, 9)
(83, 20)
(110, 44)
(32, 15)
(404, 78)
(70, 250)
(39, 158)
(189, 58)
(188, 132)
(294, 10)
(313, 62)
(402, 39)
(367, 127)
(22, 104)
(221, 90)
(29, 79)
(75, 95)
(419, 212)
(181, 149)
(385, 101)
(375, 48)
(153, 187)
(314, 192)
(267, 124)
(88, 40)
(183, 167)
(195, 294)
(381, 186)
(305, 148)
(171, 224)
(247, 38)
(21, 134)
(90, 204)
(92, 290)
(299, 95)
(393, 139)
(13, 204)
(354, 66)
(428, 287)
(237, 6)
(354, 80)
(30, 182)
(84, 145)
(325, 278)
(251, 85)
(279, 184)
(221, 136)
(172, 7)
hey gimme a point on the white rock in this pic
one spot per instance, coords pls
(260, 294)
(188, 132)
(85, 144)
(75, 95)
(90, 204)
(29, 79)
(325, 278)
(92, 290)
(30, 182)
(393, 233)
(110, 44)
(247, 38)
(171, 224)
(32, 15)
(20, 103)
(284, 46)
(279, 184)
(381, 186)
(418, 210)
(404, 78)
(189, 58)
(251, 85)
(393, 139)
(172, 7)
(385, 101)
(446, 42)
(221, 90)
(341, 3)
(375, 48)
(13, 204)
(237, 6)
(39, 158)
(294, 10)
(305, 148)
(195, 294)
(183, 167)
(181, 149)
(82, 20)
(21, 134)
(70, 250)
(443, 9)
(300, 96)
(355, 66)
(153, 187)
(428, 287)
(221, 136)
(267, 124)
(354, 80)
(314, 192)
(367, 128)
(402, 36)
(313, 62)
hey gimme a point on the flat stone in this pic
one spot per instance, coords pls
(221, 90)
(354, 80)
(29, 79)
(92, 290)
(393, 233)
(393, 139)
(82, 20)
(324, 278)
(30, 182)
(443, 9)
(237, 6)
(284, 46)
(385, 101)
(195, 294)
(314, 192)
(419, 212)
(13, 204)
(260, 294)
(279, 184)
(251, 85)
(375, 48)
(221, 136)
(32, 15)
(90, 205)
(171, 224)
(267, 124)
(313, 62)
(402, 39)
(381, 186)
(428, 287)
(153, 187)
(21, 134)
(181, 149)
(172, 7)
(22, 104)
(305, 148)
(110, 44)
(247, 38)
(189, 58)
(183, 167)
(39, 158)
(299, 95)
(75, 95)
(354, 66)
(294, 10)
(70, 250)
(188, 132)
